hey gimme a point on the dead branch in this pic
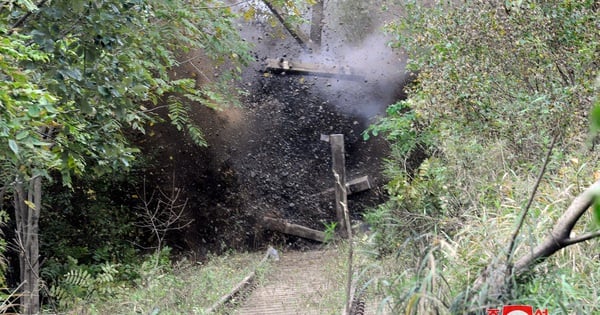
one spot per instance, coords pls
(22, 20)
(560, 236)
(7, 304)
(494, 281)
(163, 213)
(513, 240)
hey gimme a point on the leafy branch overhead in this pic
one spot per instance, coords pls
(85, 70)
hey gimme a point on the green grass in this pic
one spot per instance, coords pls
(186, 289)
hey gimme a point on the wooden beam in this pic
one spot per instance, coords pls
(283, 226)
(358, 184)
(352, 187)
(247, 281)
(339, 172)
(287, 66)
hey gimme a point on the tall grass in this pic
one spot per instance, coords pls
(431, 258)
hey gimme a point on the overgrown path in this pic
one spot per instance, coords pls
(300, 283)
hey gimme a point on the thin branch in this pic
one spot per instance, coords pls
(300, 38)
(513, 240)
(580, 238)
(6, 304)
(200, 71)
(225, 6)
(161, 213)
(22, 20)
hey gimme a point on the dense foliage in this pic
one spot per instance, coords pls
(96, 68)
(496, 81)
(76, 76)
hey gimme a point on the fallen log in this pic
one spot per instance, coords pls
(283, 226)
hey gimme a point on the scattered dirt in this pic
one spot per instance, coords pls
(266, 157)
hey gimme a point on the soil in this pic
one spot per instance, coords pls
(267, 157)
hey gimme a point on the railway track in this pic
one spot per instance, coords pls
(294, 286)
(306, 283)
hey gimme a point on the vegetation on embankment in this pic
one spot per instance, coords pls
(496, 83)
(160, 287)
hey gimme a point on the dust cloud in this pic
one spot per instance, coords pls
(381, 70)
(353, 36)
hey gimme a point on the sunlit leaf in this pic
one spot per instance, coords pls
(29, 204)
(595, 118)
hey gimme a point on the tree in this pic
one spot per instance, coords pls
(77, 75)
(487, 65)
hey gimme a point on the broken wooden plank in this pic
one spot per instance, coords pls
(358, 184)
(247, 281)
(283, 65)
(352, 187)
(338, 167)
(283, 226)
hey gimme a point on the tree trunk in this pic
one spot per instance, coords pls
(316, 24)
(300, 38)
(28, 203)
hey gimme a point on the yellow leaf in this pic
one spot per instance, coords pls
(29, 204)
(249, 15)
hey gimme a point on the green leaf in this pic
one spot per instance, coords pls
(595, 118)
(33, 111)
(22, 135)
(13, 146)
(29, 5)
(596, 210)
